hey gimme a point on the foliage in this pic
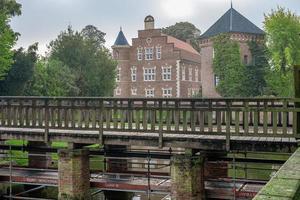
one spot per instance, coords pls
(10, 7)
(89, 61)
(20, 72)
(51, 78)
(255, 83)
(7, 40)
(94, 36)
(228, 67)
(184, 31)
(282, 28)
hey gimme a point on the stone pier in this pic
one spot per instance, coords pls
(74, 174)
(40, 160)
(187, 177)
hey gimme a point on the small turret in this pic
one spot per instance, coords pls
(149, 22)
(121, 39)
(121, 47)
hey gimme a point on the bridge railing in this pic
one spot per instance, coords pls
(221, 116)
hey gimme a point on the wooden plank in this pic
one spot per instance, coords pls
(219, 122)
(184, 116)
(246, 117)
(265, 119)
(284, 122)
(201, 120)
(275, 122)
(237, 122)
(255, 123)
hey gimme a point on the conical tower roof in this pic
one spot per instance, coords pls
(121, 39)
(232, 21)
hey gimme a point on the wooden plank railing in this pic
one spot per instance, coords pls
(221, 116)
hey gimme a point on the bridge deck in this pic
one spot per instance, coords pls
(198, 141)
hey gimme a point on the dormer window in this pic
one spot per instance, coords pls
(149, 53)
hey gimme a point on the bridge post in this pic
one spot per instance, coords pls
(297, 95)
(73, 174)
(187, 177)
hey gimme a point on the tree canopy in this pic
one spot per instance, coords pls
(184, 31)
(90, 62)
(20, 72)
(282, 30)
(8, 9)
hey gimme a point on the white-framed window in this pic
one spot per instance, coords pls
(149, 53)
(149, 74)
(140, 53)
(183, 73)
(166, 73)
(133, 73)
(213, 53)
(190, 74)
(118, 74)
(133, 91)
(216, 80)
(158, 52)
(149, 92)
(196, 75)
(167, 92)
(118, 91)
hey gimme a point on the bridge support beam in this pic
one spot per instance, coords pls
(187, 177)
(38, 160)
(73, 174)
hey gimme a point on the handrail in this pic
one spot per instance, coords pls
(258, 117)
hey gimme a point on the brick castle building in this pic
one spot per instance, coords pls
(159, 65)
(156, 65)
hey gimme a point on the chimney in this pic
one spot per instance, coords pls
(149, 22)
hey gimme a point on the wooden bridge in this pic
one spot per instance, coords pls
(214, 124)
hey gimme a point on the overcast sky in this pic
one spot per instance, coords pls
(42, 20)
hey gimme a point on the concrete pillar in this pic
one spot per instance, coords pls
(42, 160)
(187, 177)
(73, 174)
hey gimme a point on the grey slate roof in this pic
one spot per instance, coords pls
(232, 21)
(121, 39)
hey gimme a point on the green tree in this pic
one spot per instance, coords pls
(184, 31)
(255, 83)
(282, 29)
(227, 66)
(51, 78)
(20, 72)
(90, 62)
(94, 36)
(7, 40)
(8, 9)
